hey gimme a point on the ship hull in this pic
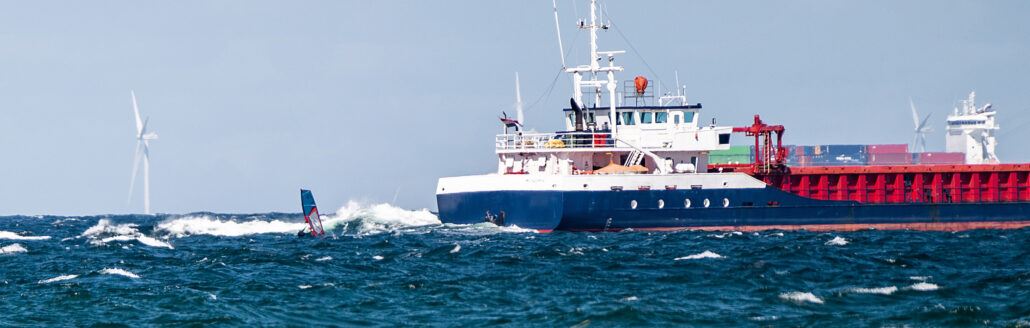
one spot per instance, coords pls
(746, 209)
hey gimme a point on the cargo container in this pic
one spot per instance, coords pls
(890, 158)
(845, 149)
(942, 158)
(886, 149)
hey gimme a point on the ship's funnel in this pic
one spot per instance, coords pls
(578, 114)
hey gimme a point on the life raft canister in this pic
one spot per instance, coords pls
(641, 83)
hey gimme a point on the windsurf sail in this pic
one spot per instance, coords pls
(307, 202)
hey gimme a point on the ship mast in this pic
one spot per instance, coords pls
(578, 83)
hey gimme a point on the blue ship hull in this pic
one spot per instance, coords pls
(745, 209)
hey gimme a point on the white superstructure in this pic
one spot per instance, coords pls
(663, 137)
(972, 131)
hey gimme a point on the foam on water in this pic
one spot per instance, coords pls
(12, 249)
(702, 255)
(15, 236)
(105, 232)
(457, 248)
(59, 278)
(362, 219)
(324, 258)
(208, 225)
(923, 286)
(880, 290)
(120, 272)
(801, 297)
(837, 241)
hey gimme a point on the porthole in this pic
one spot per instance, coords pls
(725, 202)
(686, 203)
(707, 203)
(661, 204)
(633, 204)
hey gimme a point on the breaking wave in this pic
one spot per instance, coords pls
(208, 225)
(837, 241)
(15, 236)
(59, 278)
(881, 290)
(360, 219)
(801, 297)
(105, 232)
(702, 255)
(12, 248)
(120, 272)
(923, 286)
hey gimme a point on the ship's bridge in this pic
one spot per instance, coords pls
(654, 137)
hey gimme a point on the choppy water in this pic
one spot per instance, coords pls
(386, 266)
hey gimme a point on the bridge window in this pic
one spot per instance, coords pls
(688, 117)
(724, 139)
(626, 118)
(661, 117)
(645, 118)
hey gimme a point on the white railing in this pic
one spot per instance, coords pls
(560, 140)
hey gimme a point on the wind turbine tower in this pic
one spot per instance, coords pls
(143, 136)
(919, 140)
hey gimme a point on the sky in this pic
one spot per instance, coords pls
(373, 101)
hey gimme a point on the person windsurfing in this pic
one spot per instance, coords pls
(310, 211)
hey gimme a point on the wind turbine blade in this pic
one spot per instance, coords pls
(557, 27)
(135, 109)
(915, 116)
(135, 168)
(143, 130)
(922, 142)
(922, 125)
(518, 101)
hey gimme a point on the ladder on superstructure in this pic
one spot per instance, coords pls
(634, 158)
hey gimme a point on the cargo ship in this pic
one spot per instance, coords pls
(653, 166)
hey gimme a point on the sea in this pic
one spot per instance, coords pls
(382, 266)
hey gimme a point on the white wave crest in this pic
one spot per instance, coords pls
(923, 286)
(120, 272)
(59, 278)
(920, 278)
(12, 249)
(207, 225)
(702, 255)
(153, 242)
(377, 218)
(837, 241)
(801, 297)
(105, 232)
(457, 248)
(881, 290)
(324, 258)
(15, 236)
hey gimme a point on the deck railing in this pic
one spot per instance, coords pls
(555, 140)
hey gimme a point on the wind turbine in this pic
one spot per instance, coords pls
(142, 150)
(919, 140)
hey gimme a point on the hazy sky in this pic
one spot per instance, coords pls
(363, 100)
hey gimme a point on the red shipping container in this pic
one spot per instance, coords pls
(798, 150)
(890, 158)
(942, 158)
(887, 149)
